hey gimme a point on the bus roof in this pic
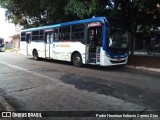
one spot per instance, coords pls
(102, 19)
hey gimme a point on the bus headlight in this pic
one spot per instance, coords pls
(125, 54)
(107, 55)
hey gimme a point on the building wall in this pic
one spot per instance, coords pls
(16, 43)
(8, 45)
(142, 42)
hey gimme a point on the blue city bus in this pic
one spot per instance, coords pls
(97, 41)
(2, 47)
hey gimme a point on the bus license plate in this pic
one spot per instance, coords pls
(118, 59)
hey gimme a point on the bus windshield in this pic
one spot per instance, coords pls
(117, 36)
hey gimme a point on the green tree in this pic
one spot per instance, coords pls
(81, 9)
(31, 13)
(135, 13)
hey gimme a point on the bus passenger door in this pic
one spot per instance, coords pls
(28, 44)
(48, 43)
(95, 40)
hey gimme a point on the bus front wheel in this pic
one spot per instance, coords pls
(77, 60)
(35, 55)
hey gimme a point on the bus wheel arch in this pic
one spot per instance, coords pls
(76, 59)
(35, 54)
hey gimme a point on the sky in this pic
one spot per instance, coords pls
(6, 29)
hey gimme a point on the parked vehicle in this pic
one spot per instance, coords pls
(97, 41)
(2, 47)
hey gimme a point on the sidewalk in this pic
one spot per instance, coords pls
(143, 68)
(144, 53)
(2, 108)
(141, 60)
(13, 50)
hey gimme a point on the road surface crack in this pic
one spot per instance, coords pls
(25, 89)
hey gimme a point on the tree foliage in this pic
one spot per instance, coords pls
(85, 8)
(137, 12)
(41, 12)
(30, 13)
(134, 13)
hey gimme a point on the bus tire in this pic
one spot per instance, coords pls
(77, 60)
(35, 55)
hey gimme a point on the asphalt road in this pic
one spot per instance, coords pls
(49, 85)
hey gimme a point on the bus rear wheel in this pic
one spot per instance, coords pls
(35, 55)
(77, 60)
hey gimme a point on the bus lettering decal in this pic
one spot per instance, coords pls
(63, 45)
(94, 24)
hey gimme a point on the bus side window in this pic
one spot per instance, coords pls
(99, 36)
(23, 36)
(65, 33)
(28, 38)
(51, 37)
(35, 35)
(41, 35)
(77, 32)
(56, 35)
(47, 38)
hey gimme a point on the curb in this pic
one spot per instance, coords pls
(144, 68)
(6, 105)
(7, 108)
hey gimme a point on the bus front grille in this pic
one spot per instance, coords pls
(119, 61)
